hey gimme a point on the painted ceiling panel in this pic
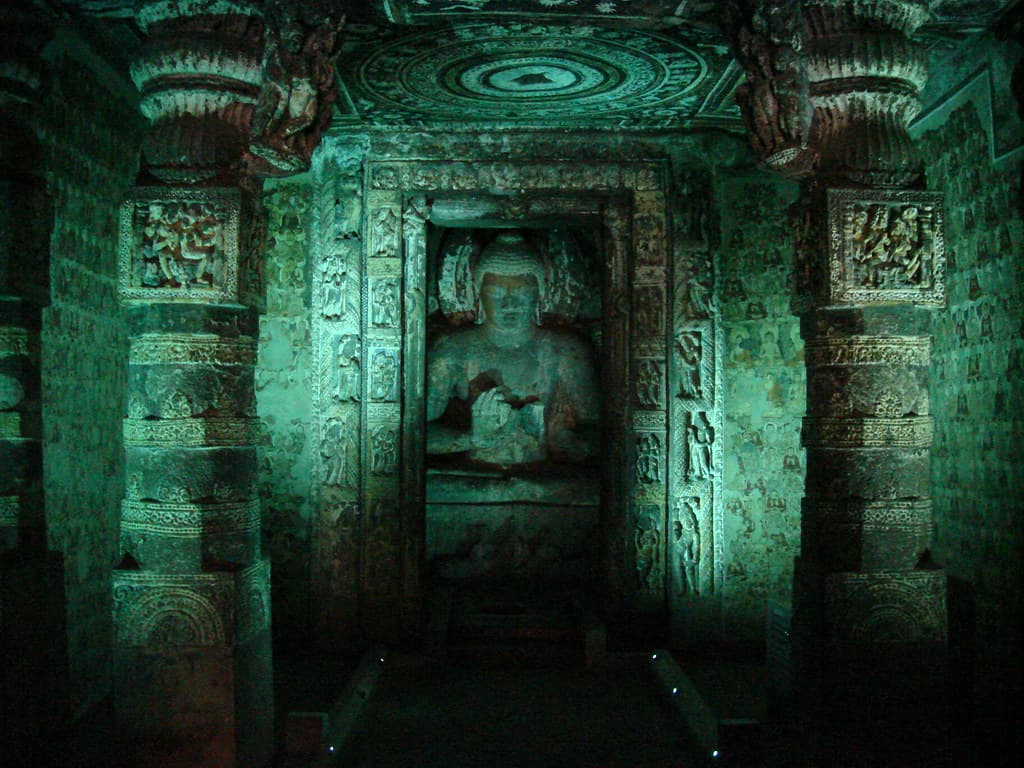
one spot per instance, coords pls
(537, 75)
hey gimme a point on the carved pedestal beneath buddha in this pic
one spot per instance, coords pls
(495, 527)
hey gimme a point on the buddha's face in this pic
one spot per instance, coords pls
(509, 302)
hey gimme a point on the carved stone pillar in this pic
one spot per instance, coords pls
(869, 609)
(24, 283)
(232, 89)
(193, 670)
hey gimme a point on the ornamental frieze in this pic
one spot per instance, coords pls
(649, 391)
(339, 450)
(467, 176)
(909, 432)
(700, 455)
(684, 544)
(650, 458)
(649, 547)
(157, 610)
(384, 232)
(11, 425)
(157, 348)
(385, 366)
(648, 420)
(384, 450)
(10, 508)
(649, 310)
(867, 350)
(190, 520)
(695, 366)
(887, 512)
(191, 432)
(14, 341)
(864, 609)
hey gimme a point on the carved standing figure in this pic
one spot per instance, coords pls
(686, 532)
(506, 391)
(698, 440)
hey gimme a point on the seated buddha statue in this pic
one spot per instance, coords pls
(507, 392)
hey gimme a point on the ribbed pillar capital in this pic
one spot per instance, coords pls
(832, 86)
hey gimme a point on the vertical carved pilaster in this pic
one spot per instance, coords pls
(868, 429)
(338, 386)
(383, 376)
(621, 528)
(695, 409)
(414, 370)
(649, 425)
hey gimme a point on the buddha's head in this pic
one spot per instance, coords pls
(509, 279)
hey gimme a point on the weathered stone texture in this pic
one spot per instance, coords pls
(764, 380)
(91, 140)
(978, 374)
(284, 402)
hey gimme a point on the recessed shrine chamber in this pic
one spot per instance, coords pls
(513, 432)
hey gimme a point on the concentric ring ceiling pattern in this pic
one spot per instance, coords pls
(524, 74)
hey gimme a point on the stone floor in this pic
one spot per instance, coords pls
(475, 714)
(503, 714)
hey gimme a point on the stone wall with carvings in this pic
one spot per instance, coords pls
(764, 381)
(284, 402)
(91, 136)
(978, 387)
(311, 518)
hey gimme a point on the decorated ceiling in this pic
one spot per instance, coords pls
(536, 75)
(553, 64)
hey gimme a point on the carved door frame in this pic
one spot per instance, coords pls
(646, 474)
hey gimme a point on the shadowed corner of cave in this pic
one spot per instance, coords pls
(578, 383)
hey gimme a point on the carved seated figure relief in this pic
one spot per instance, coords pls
(507, 393)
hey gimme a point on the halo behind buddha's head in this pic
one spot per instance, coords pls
(510, 255)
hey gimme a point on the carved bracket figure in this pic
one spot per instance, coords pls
(298, 90)
(775, 101)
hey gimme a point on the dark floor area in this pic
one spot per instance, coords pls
(425, 714)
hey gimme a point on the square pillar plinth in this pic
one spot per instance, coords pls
(193, 672)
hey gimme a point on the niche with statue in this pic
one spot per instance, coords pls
(513, 404)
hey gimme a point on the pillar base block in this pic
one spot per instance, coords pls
(871, 673)
(193, 677)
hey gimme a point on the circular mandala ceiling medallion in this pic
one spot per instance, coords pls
(530, 73)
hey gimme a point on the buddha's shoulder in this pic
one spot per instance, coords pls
(455, 340)
(564, 343)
